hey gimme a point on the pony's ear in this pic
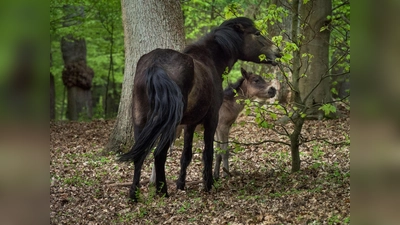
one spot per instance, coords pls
(244, 73)
(238, 27)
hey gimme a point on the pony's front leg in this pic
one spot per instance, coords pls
(186, 157)
(218, 160)
(222, 134)
(218, 156)
(225, 157)
(153, 175)
(159, 164)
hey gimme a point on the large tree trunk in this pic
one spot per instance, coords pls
(76, 75)
(148, 24)
(314, 16)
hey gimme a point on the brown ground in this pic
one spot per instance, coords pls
(87, 188)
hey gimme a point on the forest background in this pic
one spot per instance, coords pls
(97, 32)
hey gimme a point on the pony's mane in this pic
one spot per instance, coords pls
(229, 92)
(226, 36)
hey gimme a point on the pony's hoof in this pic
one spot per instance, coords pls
(208, 186)
(133, 195)
(180, 185)
(133, 198)
(165, 195)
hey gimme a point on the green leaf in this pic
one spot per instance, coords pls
(273, 116)
(264, 124)
(286, 58)
(262, 57)
(328, 108)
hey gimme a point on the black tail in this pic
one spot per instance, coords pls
(166, 109)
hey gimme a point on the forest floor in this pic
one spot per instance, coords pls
(87, 187)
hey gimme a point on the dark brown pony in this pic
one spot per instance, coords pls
(250, 86)
(172, 88)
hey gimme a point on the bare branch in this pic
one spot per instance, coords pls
(326, 140)
(253, 143)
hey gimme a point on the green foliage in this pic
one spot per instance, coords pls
(184, 207)
(340, 34)
(328, 108)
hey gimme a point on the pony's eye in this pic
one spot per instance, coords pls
(256, 81)
(257, 33)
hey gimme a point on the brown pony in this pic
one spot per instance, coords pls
(250, 86)
(172, 88)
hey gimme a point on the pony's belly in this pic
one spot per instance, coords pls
(195, 115)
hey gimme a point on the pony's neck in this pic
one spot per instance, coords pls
(221, 60)
(209, 49)
(236, 88)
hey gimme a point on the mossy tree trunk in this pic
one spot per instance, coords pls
(77, 75)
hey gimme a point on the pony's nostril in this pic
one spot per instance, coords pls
(272, 91)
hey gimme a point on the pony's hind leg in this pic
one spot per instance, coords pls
(134, 190)
(159, 164)
(208, 153)
(186, 157)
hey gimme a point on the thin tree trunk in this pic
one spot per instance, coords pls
(110, 71)
(52, 98)
(295, 143)
(148, 24)
(298, 120)
(63, 104)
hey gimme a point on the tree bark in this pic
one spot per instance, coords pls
(148, 24)
(77, 77)
(313, 16)
(295, 143)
